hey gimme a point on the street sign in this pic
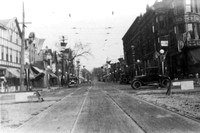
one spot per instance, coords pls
(164, 43)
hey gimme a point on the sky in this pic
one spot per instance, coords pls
(99, 23)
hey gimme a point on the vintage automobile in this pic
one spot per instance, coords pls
(73, 82)
(151, 77)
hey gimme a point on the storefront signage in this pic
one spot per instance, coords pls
(188, 18)
(193, 43)
(192, 18)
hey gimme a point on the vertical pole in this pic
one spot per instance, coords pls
(22, 53)
(163, 70)
(62, 78)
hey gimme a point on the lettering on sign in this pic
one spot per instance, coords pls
(193, 43)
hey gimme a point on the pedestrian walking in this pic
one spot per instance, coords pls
(40, 98)
(169, 87)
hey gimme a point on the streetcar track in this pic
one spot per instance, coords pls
(120, 108)
(161, 107)
(79, 113)
(174, 112)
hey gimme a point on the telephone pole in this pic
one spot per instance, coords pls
(22, 52)
(63, 45)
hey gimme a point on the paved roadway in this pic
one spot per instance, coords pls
(105, 109)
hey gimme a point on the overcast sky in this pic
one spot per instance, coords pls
(80, 20)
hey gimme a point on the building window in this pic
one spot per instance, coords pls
(198, 29)
(190, 28)
(196, 6)
(16, 56)
(10, 55)
(2, 53)
(6, 53)
(11, 37)
(188, 6)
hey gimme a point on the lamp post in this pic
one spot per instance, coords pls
(138, 62)
(162, 58)
(48, 71)
(133, 56)
(78, 69)
(59, 77)
(63, 45)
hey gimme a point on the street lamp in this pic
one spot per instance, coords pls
(162, 57)
(48, 71)
(133, 56)
(138, 62)
(63, 46)
(59, 77)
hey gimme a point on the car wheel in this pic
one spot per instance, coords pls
(136, 84)
(165, 82)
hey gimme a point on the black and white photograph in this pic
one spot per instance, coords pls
(100, 66)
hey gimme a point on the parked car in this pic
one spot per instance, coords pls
(73, 82)
(150, 78)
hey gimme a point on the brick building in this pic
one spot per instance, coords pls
(171, 25)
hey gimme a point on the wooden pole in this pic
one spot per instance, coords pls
(22, 52)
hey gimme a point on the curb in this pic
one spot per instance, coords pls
(173, 91)
(18, 97)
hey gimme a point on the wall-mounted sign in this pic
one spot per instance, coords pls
(164, 43)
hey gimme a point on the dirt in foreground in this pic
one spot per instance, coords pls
(184, 104)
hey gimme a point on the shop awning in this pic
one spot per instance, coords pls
(53, 75)
(37, 70)
(12, 73)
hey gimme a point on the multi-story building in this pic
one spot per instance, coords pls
(10, 49)
(171, 25)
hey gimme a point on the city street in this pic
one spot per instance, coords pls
(105, 108)
(85, 66)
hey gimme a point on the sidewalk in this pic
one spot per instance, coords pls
(26, 96)
(176, 89)
(13, 114)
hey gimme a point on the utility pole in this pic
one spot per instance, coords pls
(63, 45)
(22, 52)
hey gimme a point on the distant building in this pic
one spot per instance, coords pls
(171, 25)
(10, 49)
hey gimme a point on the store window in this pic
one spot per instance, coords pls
(190, 28)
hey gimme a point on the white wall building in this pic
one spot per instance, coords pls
(10, 48)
